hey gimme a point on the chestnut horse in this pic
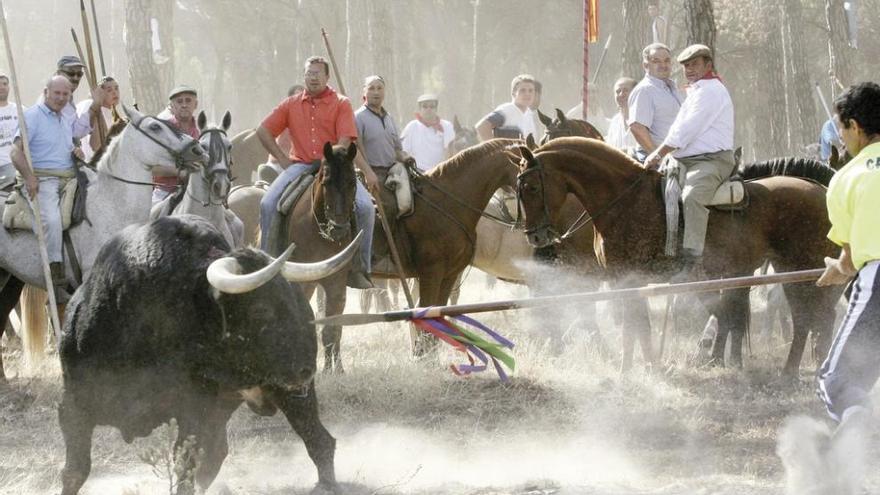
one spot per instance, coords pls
(785, 223)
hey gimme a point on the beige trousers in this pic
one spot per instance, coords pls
(702, 176)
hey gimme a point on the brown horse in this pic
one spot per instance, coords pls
(437, 241)
(563, 126)
(785, 223)
(320, 225)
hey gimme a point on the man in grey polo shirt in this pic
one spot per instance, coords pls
(654, 102)
(378, 137)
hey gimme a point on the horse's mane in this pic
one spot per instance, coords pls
(110, 152)
(599, 150)
(469, 156)
(803, 168)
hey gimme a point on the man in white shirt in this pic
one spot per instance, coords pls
(618, 134)
(72, 68)
(428, 138)
(91, 142)
(701, 140)
(8, 128)
(654, 102)
(513, 116)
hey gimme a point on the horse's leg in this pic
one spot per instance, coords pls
(455, 291)
(430, 294)
(9, 296)
(812, 310)
(366, 300)
(733, 318)
(331, 335)
(636, 326)
(383, 302)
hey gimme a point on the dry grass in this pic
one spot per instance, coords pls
(568, 423)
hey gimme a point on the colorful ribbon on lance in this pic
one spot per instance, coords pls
(468, 342)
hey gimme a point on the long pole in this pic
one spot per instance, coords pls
(98, 39)
(601, 59)
(580, 298)
(585, 95)
(35, 204)
(333, 61)
(87, 34)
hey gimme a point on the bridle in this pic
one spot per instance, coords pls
(208, 174)
(582, 221)
(181, 157)
(326, 228)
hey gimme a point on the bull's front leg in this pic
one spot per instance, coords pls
(76, 427)
(302, 414)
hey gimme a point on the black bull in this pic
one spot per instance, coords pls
(146, 338)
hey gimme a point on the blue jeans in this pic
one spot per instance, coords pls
(364, 210)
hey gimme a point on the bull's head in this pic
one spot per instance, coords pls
(268, 338)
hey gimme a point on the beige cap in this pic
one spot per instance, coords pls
(694, 51)
(427, 97)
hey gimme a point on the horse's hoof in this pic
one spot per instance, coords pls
(323, 488)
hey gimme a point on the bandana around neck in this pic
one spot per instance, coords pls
(437, 125)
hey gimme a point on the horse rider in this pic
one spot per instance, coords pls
(91, 143)
(380, 145)
(701, 141)
(515, 118)
(316, 116)
(654, 102)
(50, 140)
(428, 138)
(8, 128)
(619, 134)
(283, 140)
(853, 198)
(72, 69)
(183, 101)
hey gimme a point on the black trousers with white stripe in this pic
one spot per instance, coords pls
(853, 363)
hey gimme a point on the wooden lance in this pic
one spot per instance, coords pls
(98, 39)
(583, 297)
(35, 205)
(395, 256)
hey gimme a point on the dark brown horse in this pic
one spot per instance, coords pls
(563, 126)
(321, 226)
(785, 223)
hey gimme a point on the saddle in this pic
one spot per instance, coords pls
(397, 203)
(17, 214)
(278, 233)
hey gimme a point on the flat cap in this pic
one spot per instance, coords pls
(180, 90)
(694, 51)
(70, 60)
(427, 97)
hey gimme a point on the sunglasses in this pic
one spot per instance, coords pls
(73, 74)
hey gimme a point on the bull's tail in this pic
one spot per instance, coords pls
(34, 323)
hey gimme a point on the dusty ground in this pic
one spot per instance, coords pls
(568, 423)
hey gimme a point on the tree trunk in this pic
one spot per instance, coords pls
(149, 81)
(478, 105)
(637, 29)
(772, 136)
(700, 21)
(841, 55)
(804, 122)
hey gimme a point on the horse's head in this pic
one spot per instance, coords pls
(563, 126)
(215, 176)
(539, 192)
(337, 184)
(465, 137)
(156, 142)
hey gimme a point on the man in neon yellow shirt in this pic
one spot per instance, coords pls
(853, 363)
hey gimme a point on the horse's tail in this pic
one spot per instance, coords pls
(803, 168)
(34, 323)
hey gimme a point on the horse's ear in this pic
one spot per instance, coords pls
(227, 121)
(456, 125)
(530, 142)
(528, 156)
(834, 158)
(544, 119)
(132, 113)
(560, 116)
(737, 155)
(328, 151)
(352, 152)
(202, 120)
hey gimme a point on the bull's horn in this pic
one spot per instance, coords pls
(225, 275)
(309, 272)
